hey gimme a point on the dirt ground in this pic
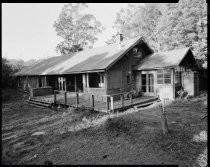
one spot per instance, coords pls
(71, 136)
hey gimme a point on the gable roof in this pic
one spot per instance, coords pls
(163, 59)
(95, 59)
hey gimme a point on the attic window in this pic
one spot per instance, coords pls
(135, 50)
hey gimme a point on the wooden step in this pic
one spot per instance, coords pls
(38, 103)
(144, 105)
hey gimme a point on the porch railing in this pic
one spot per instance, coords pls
(109, 99)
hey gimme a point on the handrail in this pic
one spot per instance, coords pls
(117, 94)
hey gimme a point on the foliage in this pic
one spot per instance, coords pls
(76, 29)
(112, 40)
(8, 79)
(168, 26)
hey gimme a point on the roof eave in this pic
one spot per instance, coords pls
(74, 72)
(155, 68)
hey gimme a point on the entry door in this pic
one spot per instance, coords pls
(62, 83)
(147, 83)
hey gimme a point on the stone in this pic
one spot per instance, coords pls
(38, 133)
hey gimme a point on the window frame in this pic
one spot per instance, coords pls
(164, 72)
(101, 83)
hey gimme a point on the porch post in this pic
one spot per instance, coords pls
(84, 81)
(77, 100)
(131, 100)
(54, 97)
(173, 78)
(112, 103)
(93, 101)
(75, 81)
(87, 80)
(45, 80)
(65, 99)
(122, 100)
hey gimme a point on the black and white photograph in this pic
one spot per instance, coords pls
(104, 83)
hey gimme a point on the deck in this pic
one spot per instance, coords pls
(101, 106)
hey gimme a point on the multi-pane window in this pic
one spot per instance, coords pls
(178, 77)
(163, 76)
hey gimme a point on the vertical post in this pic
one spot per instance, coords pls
(45, 80)
(64, 83)
(77, 99)
(87, 80)
(131, 100)
(174, 92)
(122, 100)
(54, 96)
(112, 103)
(107, 103)
(164, 106)
(75, 82)
(163, 119)
(93, 101)
(65, 99)
(84, 81)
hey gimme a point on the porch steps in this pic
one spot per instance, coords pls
(39, 103)
(146, 102)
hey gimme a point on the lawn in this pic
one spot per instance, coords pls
(87, 137)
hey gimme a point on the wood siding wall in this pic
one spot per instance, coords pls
(117, 76)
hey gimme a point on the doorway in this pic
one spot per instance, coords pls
(62, 83)
(147, 83)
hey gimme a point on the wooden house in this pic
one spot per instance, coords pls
(115, 68)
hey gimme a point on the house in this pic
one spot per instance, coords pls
(115, 68)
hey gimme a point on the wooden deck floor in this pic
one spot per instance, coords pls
(98, 105)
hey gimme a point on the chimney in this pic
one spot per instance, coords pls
(120, 40)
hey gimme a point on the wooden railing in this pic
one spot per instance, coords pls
(110, 98)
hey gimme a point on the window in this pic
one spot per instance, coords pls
(178, 77)
(40, 82)
(128, 79)
(143, 82)
(96, 80)
(163, 76)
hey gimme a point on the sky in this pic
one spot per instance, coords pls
(28, 32)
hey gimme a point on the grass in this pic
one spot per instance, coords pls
(133, 138)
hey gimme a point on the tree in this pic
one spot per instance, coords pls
(139, 21)
(77, 30)
(168, 26)
(8, 79)
(185, 25)
(113, 39)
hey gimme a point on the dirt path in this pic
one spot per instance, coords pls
(85, 137)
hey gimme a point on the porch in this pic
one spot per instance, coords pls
(84, 100)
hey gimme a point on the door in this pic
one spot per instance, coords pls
(147, 83)
(62, 83)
